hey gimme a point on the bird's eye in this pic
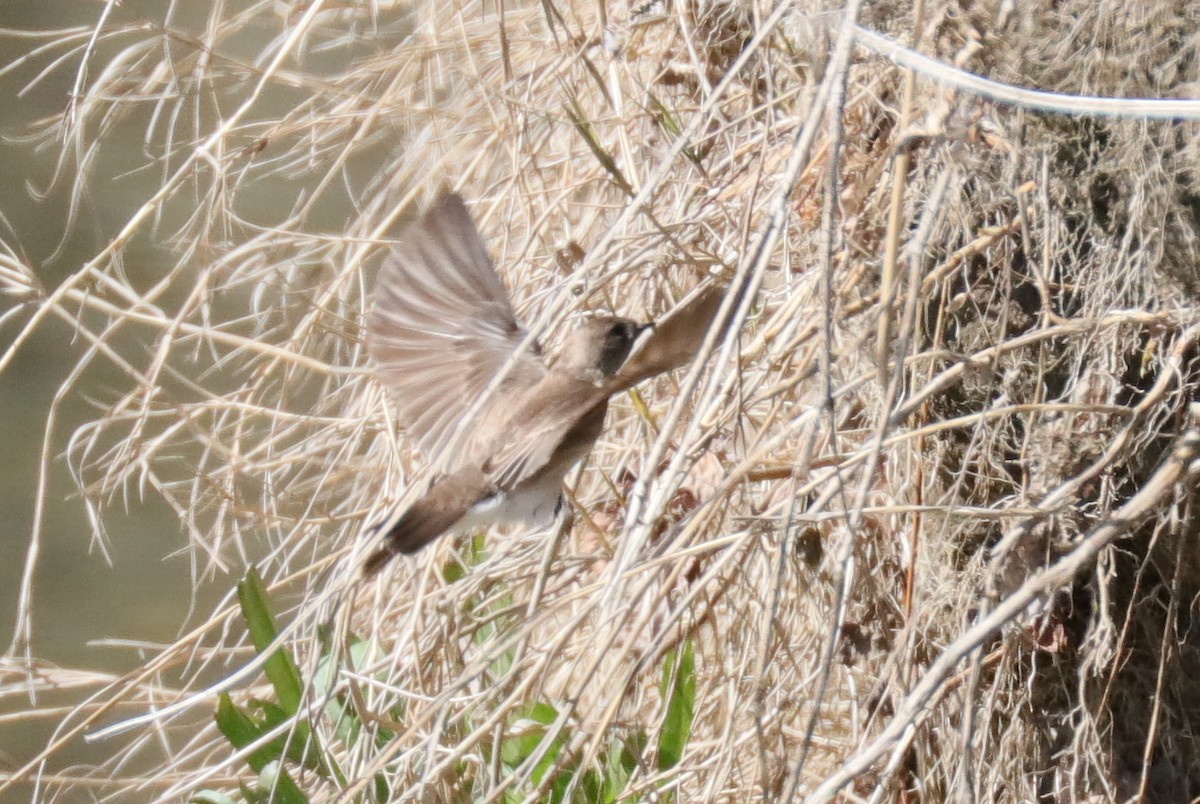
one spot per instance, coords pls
(618, 339)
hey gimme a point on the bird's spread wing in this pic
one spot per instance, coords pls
(441, 328)
(563, 417)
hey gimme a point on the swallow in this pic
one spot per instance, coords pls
(469, 386)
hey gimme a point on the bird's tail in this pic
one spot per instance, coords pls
(378, 560)
(427, 519)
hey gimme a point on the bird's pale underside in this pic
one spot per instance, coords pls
(473, 391)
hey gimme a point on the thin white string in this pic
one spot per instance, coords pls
(1036, 99)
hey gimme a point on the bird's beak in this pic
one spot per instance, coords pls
(641, 336)
(674, 340)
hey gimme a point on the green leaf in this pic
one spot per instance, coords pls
(339, 709)
(301, 747)
(619, 764)
(527, 730)
(679, 692)
(546, 763)
(591, 788)
(281, 670)
(540, 712)
(529, 723)
(211, 797)
(346, 724)
(275, 781)
(453, 571)
(241, 730)
(475, 551)
(382, 791)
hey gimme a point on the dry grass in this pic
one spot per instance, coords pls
(966, 352)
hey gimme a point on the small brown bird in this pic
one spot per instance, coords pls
(442, 333)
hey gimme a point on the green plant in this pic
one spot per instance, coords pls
(282, 738)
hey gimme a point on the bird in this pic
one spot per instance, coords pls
(470, 386)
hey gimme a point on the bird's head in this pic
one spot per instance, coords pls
(600, 346)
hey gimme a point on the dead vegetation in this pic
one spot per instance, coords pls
(917, 526)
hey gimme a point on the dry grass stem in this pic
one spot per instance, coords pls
(930, 500)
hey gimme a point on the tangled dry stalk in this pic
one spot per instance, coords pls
(917, 521)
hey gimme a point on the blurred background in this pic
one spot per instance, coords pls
(975, 305)
(89, 597)
(94, 606)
